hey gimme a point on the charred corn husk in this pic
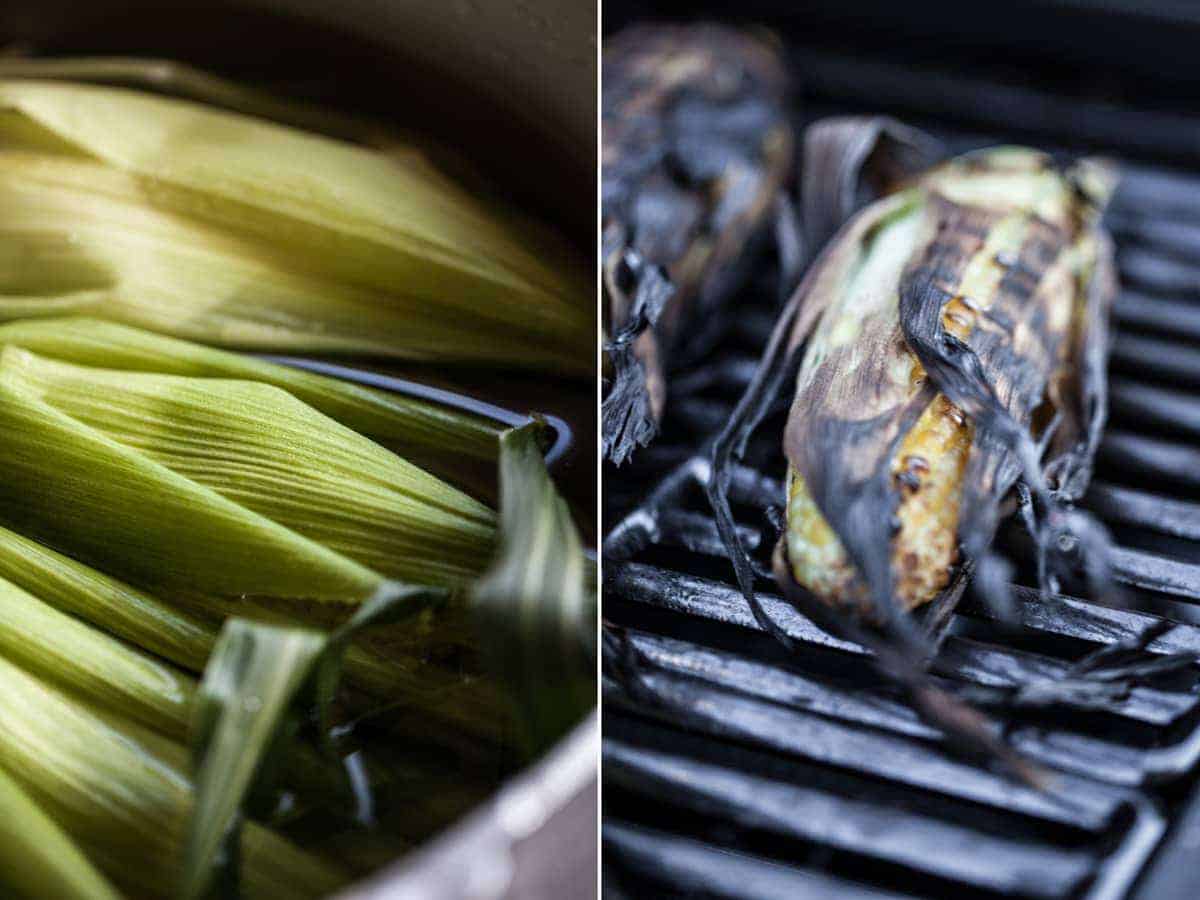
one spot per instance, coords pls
(695, 146)
(230, 230)
(990, 268)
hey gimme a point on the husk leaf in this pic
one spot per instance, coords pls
(536, 604)
(123, 794)
(88, 663)
(231, 230)
(111, 605)
(37, 859)
(136, 518)
(259, 447)
(257, 688)
(386, 417)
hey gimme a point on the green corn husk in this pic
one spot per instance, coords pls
(184, 542)
(110, 674)
(248, 689)
(37, 859)
(261, 448)
(399, 422)
(124, 611)
(230, 230)
(90, 664)
(536, 605)
(179, 79)
(258, 685)
(453, 703)
(122, 794)
(160, 529)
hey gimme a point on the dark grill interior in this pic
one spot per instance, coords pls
(735, 769)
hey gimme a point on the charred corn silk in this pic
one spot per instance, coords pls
(858, 371)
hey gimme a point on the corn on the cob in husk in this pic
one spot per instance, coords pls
(123, 795)
(231, 230)
(695, 148)
(396, 421)
(956, 317)
(118, 608)
(84, 661)
(223, 486)
(221, 497)
(184, 631)
(219, 485)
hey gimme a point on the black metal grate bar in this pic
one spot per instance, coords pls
(754, 800)
(1123, 506)
(695, 869)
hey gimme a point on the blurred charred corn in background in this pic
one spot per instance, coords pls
(696, 146)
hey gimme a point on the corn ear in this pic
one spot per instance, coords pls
(696, 147)
(37, 859)
(111, 605)
(399, 422)
(160, 529)
(123, 795)
(261, 448)
(398, 671)
(88, 663)
(230, 230)
(945, 315)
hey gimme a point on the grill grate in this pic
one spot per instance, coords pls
(735, 769)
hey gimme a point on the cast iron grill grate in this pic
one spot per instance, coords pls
(735, 769)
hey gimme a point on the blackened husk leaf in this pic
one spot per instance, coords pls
(696, 145)
(634, 402)
(1042, 340)
(851, 160)
(1084, 385)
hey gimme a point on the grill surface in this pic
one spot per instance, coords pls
(735, 769)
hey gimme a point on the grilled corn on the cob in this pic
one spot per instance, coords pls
(992, 259)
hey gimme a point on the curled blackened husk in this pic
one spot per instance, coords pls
(696, 146)
(958, 349)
